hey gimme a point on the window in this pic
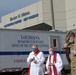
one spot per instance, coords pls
(54, 42)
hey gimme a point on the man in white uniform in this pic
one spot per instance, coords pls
(35, 61)
(54, 63)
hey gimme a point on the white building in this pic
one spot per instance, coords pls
(70, 14)
(43, 15)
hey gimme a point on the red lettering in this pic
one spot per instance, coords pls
(19, 60)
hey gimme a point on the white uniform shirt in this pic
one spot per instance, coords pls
(36, 69)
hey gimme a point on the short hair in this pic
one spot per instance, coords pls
(51, 48)
(72, 34)
(35, 46)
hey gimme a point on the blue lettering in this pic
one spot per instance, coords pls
(29, 37)
(33, 16)
(25, 19)
(19, 16)
(11, 19)
(19, 21)
(10, 24)
(26, 13)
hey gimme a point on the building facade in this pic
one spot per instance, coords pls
(43, 15)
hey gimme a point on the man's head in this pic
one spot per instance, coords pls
(71, 38)
(51, 50)
(34, 48)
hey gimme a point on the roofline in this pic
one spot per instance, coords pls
(56, 31)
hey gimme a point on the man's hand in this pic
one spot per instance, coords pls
(51, 64)
(35, 61)
(74, 53)
(65, 45)
(31, 59)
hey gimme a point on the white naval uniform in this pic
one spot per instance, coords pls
(36, 69)
(58, 64)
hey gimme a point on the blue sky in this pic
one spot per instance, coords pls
(8, 6)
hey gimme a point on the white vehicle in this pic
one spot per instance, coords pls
(15, 45)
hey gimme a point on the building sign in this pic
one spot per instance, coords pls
(28, 40)
(20, 15)
(21, 20)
